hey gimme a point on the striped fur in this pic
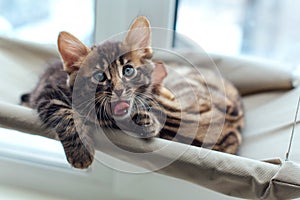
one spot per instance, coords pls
(112, 75)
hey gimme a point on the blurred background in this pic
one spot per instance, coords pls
(265, 29)
(262, 28)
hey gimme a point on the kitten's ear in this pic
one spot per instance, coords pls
(159, 73)
(72, 51)
(139, 36)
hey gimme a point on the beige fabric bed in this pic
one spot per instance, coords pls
(270, 103)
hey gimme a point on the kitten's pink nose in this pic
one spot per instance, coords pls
(119, 92)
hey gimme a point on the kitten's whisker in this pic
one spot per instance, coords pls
(145, 96)
(91, 106)
(106, 116)
(65, 97)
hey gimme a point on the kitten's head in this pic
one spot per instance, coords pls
(122, 72)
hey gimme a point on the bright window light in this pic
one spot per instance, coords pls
(41, 21)
(266, 29)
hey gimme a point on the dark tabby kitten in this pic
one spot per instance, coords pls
(130, 92)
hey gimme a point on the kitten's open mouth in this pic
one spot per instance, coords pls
(120, 108)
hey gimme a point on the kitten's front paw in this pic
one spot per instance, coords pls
(148, 126)
(80, 157)
(81, 160)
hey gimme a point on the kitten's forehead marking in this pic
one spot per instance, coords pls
(98, 66)
(121, 61)
(104, 68)
(118, 62)
(105, 64)
(125, 61)
(120, 71)
(108, 75)
(102, 65)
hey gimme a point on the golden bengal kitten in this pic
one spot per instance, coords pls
(133, 93)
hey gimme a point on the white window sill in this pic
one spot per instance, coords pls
(29, 148)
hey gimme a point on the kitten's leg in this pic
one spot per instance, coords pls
(58, 115)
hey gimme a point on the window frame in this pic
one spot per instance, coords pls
(106, 25)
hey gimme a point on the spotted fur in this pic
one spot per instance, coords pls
(129, 91)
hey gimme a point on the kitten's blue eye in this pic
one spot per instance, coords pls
(128, 70)
(100, 76)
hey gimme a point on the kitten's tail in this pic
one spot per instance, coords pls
(25, 99)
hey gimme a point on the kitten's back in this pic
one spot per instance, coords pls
(209, 104)
(53, 76)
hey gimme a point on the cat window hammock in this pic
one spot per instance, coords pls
(270, 98)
